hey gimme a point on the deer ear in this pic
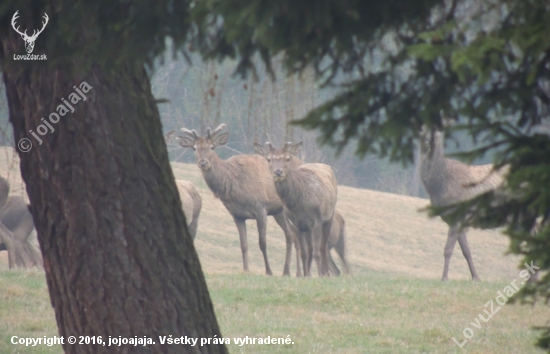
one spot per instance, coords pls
(294, 149)
(221, 139)
(185, 141)
(169, 136)
(260, 150)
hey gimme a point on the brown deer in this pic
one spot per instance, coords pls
(16, 225)
(449, 182)
(15, 216)
(244, 185)
(337, 239)
(309, 192)
(191, 200)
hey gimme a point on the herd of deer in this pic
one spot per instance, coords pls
(300, 196)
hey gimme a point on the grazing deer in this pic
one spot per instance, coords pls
(6, 237)
(337, 239)
(309, 192)
(450, 182)
(191, 200)
(244, 185)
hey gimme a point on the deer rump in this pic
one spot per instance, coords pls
(15, 216)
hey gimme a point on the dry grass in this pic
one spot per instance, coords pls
(385, 232)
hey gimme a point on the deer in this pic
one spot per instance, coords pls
(337, 238)
(16, 217)
(244, 185)
(29, 40)
(309, 192)
(16, 225)
(191, 203)
(337, 241)
(449, 182)
(190, 198)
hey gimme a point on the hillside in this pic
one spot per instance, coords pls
(386, 233)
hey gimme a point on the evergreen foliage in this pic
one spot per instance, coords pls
(485, 63)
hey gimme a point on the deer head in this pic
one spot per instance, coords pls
(280, 160)
(29, 40)
(203, 146)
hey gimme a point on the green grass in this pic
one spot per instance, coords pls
(359, 314)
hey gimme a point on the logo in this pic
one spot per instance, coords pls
(29, 40)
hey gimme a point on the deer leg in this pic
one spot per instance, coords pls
(302, 243)
(463, 242)
(193, 226)
(327, 225)
(452, 236)
(340, 248)
(261, 221)
(289, 238)
(331, 265)
(307, 236)
(241, 227)
(6, 237)
(319, 253)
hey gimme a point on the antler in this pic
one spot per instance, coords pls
(212, 134)
(192, 133)
(13, 20)
(268, 144)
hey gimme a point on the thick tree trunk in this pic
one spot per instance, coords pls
(118, 258)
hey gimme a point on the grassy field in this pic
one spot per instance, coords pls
(393, 302)
(359, 314)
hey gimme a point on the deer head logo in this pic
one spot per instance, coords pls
(29, 40)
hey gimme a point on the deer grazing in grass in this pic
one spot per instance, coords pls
(191, 200)
(309, 192)
(244, 185)
(337, 239)
(449, 182)
(16, 225)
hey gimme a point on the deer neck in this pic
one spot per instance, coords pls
(288, 189)
(434, 173)
(218, 176)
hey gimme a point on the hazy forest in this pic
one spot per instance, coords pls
(208, 94)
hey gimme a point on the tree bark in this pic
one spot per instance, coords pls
(118, 258)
